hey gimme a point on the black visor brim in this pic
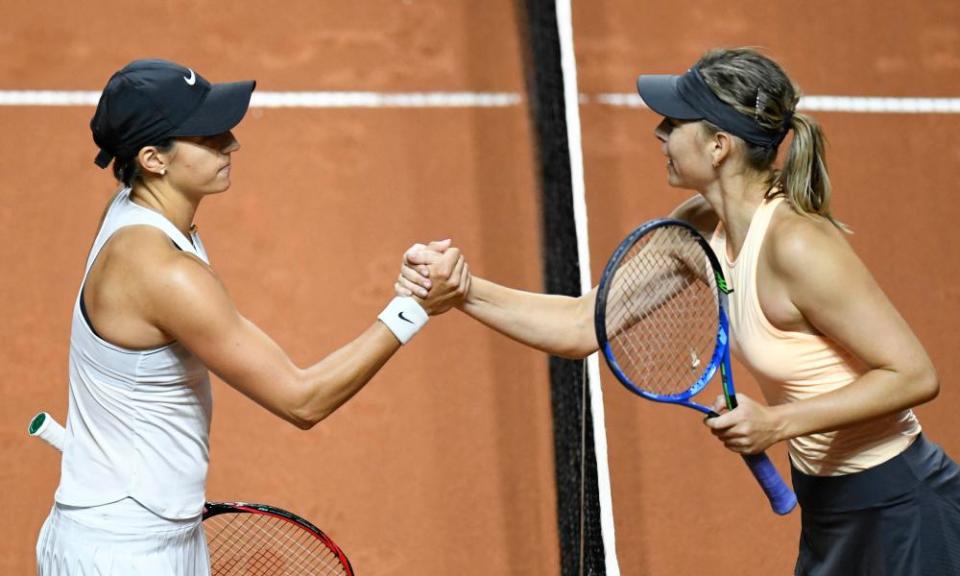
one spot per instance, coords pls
(660, 93)
(221, 111)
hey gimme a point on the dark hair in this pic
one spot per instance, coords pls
(758, 87)
(127, 170)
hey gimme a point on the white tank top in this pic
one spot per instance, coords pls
(138, 420)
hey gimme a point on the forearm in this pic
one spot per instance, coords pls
(329, 383)
(558, 325)
(203, 319)
(877, 393)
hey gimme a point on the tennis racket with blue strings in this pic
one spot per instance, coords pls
(661, 322)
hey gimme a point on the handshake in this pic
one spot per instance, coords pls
(436, 275)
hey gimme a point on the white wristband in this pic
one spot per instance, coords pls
(404, 317)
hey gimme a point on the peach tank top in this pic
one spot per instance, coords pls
(793, 366)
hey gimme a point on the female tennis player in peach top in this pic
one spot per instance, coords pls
(839, 367)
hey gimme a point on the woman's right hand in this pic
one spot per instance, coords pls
(436, 275)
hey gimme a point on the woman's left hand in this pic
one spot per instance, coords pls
(414, 279)
(750, 428)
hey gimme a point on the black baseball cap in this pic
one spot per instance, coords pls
(688, 97)
(149, 101)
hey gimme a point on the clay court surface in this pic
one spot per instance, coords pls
(443, 465)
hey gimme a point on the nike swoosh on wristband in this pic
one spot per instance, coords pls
(191, 79)
(404, 318)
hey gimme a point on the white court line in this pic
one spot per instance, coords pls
(384, 99)
(295, 99)
(853, 104)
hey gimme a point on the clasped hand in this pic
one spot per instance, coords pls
(436, 274)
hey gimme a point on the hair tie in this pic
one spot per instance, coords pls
(788, 120)
(787, 125)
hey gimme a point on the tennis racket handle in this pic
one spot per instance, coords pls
(45, 427)
(782, 499)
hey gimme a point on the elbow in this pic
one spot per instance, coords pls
(302, 409)
(305, 419)
(576, 348)
(299, 418)
(582, 340)
(304, 413)
(302, 423)
(922, 384)
(570, 346)
(576, 353)
(928, 384)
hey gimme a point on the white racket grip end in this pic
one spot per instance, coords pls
(45, 427)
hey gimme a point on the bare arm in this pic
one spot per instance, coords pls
(698, 213)
(835, 293)
(189, 303)
(839, 297)
(558, 325)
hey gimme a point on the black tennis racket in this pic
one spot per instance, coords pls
(248, 539)
(661, 322)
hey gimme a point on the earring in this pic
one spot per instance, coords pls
(163, 172)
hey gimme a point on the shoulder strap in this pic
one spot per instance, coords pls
(123, 212)
(762, 218)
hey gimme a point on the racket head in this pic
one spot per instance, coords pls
(260, 540)
(660, 314)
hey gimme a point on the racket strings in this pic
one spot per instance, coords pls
(264, 545)
(268, 545)
(661, 312)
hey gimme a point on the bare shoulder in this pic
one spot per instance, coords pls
(139, 281)
(806, 247)
(147, 246)
(153, 265)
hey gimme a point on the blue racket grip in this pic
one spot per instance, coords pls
(782, 499)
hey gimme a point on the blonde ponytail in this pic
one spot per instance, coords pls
(804, 179)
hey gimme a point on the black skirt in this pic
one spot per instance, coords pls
(901, 518)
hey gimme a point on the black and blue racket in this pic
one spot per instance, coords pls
(661, 322)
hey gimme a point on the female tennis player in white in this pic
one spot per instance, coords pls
(151, 318)
(838, 365)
